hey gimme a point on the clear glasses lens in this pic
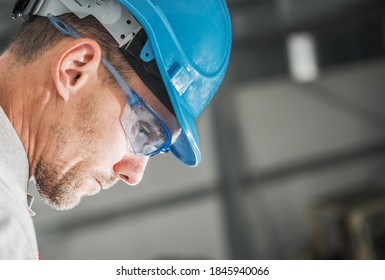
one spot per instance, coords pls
(145, 133)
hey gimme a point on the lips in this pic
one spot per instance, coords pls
(100, 184)
(105, 182)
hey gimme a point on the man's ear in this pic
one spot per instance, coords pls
(76, 64)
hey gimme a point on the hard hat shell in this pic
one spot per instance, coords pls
(191, 43)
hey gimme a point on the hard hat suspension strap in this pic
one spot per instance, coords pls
(147, 71)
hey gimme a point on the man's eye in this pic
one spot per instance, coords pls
(142, 130)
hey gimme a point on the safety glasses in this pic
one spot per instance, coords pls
(145, 131)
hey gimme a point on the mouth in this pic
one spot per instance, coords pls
(100, 184)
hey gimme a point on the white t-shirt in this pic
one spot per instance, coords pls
(17, 232)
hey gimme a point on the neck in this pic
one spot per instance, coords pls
(24, 97)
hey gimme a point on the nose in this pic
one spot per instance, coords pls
(131, 169)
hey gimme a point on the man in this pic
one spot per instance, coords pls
(89, 90)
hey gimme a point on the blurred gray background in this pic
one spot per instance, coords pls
(293, 151)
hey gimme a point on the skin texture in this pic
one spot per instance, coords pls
(68, 119)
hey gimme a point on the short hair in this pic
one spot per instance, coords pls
(38, 35)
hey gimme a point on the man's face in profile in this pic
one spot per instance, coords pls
(85, 144)
(88, 149)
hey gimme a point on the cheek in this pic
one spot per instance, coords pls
(112, 142)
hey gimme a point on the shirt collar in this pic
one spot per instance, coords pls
(13, 160)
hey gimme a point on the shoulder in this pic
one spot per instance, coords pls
(17, 233)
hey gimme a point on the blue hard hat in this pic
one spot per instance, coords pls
(191, 43)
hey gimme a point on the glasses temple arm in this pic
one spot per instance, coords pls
(69, 31)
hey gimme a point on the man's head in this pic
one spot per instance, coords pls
(78, 144)
(85, 146)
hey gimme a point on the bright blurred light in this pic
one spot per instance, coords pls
(302, 57)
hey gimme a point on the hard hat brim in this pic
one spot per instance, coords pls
(186, 148)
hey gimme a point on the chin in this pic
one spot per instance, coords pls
(68, 196)
(61, 204)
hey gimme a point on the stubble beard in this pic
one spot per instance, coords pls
(59, 192)
(65, 191)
